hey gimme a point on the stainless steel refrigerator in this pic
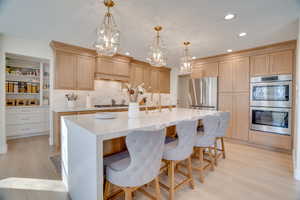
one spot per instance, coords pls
(198, 93)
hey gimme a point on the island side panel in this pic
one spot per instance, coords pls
(83, 178)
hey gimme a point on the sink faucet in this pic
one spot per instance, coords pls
(113, 102)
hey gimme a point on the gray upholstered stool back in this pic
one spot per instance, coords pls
(224, 118)
(146, 150)
(186, 131)
(211, 124)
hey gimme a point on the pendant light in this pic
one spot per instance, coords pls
(186, 59)
(108, 35)
(157, 52)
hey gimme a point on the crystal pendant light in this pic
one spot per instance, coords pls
(108, 35)
(157, 52)
(186, 60)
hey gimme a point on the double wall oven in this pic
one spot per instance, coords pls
(271, 102)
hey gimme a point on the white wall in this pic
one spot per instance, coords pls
(296, 151)
(3, 146)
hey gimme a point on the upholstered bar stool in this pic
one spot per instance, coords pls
(178, 151)
(204, 143)
(224, 118)
(141, 167)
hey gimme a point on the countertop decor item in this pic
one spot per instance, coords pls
(133, 95)
(157, 52)
(186, 59)
(108, 35)
(71, 99)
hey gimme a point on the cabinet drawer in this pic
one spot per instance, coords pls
(24, 118)
(26, 129)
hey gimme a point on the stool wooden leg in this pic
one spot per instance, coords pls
(157, 189)
(211, 158)
(190, 173)
(216, 151)
(171, 175)
(128, 193)
(107, 187)
(201, 164)
(223, 147)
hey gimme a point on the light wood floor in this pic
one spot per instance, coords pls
(247, 172)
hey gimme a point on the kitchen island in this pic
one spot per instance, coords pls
(82, 144)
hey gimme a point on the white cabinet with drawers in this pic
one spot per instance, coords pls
(23, 122)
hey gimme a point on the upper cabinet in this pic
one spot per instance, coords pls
(155, 79)
(226, 76)
(164, 80)
(272, 64)
(205, 70)
(241, 71)
(113, 68)
(234, 75)
(281, 62)
(74, 67)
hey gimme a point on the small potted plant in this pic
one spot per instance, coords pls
(133, 95)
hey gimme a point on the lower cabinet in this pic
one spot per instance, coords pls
(24, 122)
(238, 106)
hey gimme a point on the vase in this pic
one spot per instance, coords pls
(71, 104)
(133, 110)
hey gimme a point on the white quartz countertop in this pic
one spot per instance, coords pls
(84, 108)
(121, 125)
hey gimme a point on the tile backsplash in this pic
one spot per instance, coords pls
(104, 92)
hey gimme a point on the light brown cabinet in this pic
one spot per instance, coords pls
(164, 80)
(272, 64)
(238, 106)
(226, 105)
(65, 70)
(113, 68)
(154, 80)
(234, 75)
(240, 116)
(205, 70)
(85, 73)
(226, 76)
(140, 73)
(74, 67)
(241, 71)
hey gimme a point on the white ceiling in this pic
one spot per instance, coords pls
(198, 21)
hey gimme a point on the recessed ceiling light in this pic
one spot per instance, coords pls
(194, 57)
(229, 50)
(242, 34)
(229, 16)
(127, 54)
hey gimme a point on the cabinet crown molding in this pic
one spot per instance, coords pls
(72, 48)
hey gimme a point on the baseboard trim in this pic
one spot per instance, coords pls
(3, 149)
(297, 174)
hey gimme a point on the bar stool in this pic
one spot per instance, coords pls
(178, 151)
(141, 167)
(204, 143)
(224, 118)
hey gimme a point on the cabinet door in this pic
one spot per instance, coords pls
(241, 73)
(259, 65)
(241, 116)
(105, 65)
(164, 81)
(65, 70)
(137, 73)
(205, 70)
(225, 76)
(147, 78)
(281, 62)
(85, 72)
(154, 81)
(121, 68)
(225, 104)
